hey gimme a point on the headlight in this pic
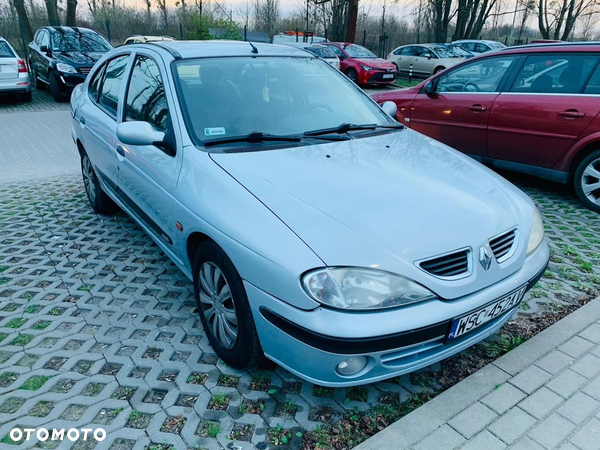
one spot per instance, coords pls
(367, 68)
(362, 289)
(536, 236)
(65, 68)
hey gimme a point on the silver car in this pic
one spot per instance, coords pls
(14, 77)
(316, 230)
(424, 59)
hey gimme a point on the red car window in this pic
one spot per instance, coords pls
(483, 75)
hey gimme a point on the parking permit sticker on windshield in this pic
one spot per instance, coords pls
(215, 131)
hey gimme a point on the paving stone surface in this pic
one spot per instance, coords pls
(547, 418)
(99, 328)
(41, 101)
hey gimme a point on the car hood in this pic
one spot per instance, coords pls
(387, 202)
(78, 58)
(377, 63)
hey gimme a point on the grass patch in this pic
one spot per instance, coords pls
(22, 339)
(17, 322)
(41, 325)
(35, 382)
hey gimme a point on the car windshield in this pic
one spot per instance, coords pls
(356, 51)
(442, 52)
(496, 45)
(459, 52)
(226, 97)
(79, 41)
(5, 50)
(321, 52)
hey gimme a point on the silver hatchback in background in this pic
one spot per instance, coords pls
(14, 77)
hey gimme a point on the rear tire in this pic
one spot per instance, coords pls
(353, 75)
(57, 94)
(99, 200)
(224, 308)
(26, 97)
(586, 181)
(438, 70)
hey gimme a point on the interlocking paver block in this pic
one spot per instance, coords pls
(588, 366)
(472, 420)
(503, 398)
(576, 346)
(513, 424)
(526, 444)
(530, 379)
(444, 438)
(541, 402)
(566, 383)
(578, 407)
(484, 441)
(552, 431)
(555, 361)
(588, 437)
(592, 333)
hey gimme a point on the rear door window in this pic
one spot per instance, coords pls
(5, 50)
(554, 73)
(111, 84)
(593, 86)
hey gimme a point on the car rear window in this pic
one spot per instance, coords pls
(6, 51)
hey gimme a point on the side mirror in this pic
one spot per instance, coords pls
(427, 55)
(139, 133)
(390, 109)
(341, 57)
(45, 49)
(430, 88)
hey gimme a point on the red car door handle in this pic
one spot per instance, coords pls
(477, 108)
(572, 113)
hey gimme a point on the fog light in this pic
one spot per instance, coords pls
(352, 365)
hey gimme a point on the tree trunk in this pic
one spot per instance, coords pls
(24, 23)
(71, 13)
(52, 9)
(352, 18)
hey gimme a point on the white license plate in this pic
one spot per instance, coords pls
(490, 312)
(387, 76)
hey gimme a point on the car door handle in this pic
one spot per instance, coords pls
(82, 120)
(120, 150)
(477, 108)
(572, 113)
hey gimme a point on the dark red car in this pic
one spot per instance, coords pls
(361, 65)
(532, 109)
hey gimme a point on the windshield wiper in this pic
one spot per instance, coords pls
(346, 127)
(257, 137)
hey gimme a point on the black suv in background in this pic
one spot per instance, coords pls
(61, 58)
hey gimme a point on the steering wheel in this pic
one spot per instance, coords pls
(475, 87)
(325, 106)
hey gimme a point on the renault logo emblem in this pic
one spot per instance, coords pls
(485, 258)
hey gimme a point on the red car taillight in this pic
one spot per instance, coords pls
(22, 66)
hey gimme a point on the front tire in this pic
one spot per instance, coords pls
(57, 93)
(586, 181)
(353, 75)
(99, 200)
(224, 308)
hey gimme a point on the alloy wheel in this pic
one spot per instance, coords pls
(590, 181)
(217, 305)
(89, 179)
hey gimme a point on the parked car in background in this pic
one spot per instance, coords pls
(14, 77)
(139, 39)
(322, 51)
(255, 167)
(458, 51)
(477, 46)
(362, 66)
(291, 36)
(61, 57)
(532, 109)
(424, 59)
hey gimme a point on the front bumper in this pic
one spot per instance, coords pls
(394, 341)
(377, 77)
(70, 80)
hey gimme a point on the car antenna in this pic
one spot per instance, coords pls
(254, 49)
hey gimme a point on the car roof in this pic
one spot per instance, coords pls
(76, 29)
(554, 47)
(215, 48)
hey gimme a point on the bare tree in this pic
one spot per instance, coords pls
(266, 16)
(471, 16)
(71, 16)
(52, 9)
(440, 11)
(556, 18)
(24, 24)
(162, 5)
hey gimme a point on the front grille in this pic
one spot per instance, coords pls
(450, 265)
(85, 70)
(502, 245)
